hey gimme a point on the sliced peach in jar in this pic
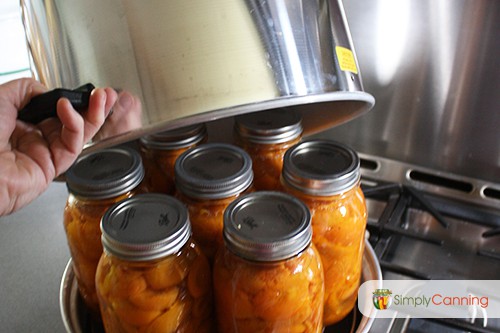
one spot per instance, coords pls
(91, 239)
(125, 283)
(169, 321)
(166, 274)
(304, 313)
(114, 324)
(133, 315)
(104, 277)
(243, 306)
(291, 281)
(276, 304)
(151, 300)
(299, 328)
(85, 272)
(254, 280)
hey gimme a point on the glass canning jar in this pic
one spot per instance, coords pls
(266, 136)
(95, 182)
(208, 178)
(326, 176)
(152, 276)
(160, 151)
(268, 277)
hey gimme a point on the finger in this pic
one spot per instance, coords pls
(72, 124)
(66, 146)
(13, 96)
(100, 104)
(94, 116)
(111, 99)
(19, 92)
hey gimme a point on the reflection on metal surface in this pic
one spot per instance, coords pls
(433, 67)
(391, 41)
(76, 318)
(196, 61)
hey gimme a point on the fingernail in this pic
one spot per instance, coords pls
(125, 100)
(101, 93)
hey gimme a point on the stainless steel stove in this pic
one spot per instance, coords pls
(431, 229)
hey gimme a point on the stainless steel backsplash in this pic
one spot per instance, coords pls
(434, 69)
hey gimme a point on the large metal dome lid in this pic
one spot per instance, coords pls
(197, 61)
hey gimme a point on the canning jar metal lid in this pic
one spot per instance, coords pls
(267, 226)
(175, 139)
(213, 171)
(270, 127)
(145, 227)
(321, 167)
(106, 173)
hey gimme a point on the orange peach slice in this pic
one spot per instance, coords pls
(150, 300)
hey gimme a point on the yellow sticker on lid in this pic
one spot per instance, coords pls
(346, 59)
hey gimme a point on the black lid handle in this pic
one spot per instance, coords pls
(44, 105)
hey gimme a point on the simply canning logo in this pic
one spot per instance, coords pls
(430, 298)
(440, 300)
(382, 299)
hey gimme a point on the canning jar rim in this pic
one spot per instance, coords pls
(291, 130)
(175, 139)
(173, 238)
(118, 182)
(283, 247)
(203, 188)
(320, 183)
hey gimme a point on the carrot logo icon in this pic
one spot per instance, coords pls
(382, 299)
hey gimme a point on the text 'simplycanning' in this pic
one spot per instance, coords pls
(430, 298)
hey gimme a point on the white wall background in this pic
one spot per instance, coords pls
(14, 60)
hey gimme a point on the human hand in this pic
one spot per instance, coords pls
(31, 156)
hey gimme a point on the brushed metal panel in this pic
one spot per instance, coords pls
(434, 69)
